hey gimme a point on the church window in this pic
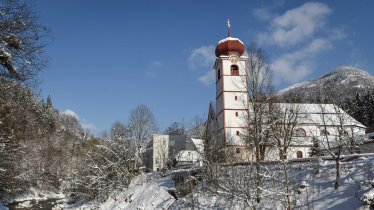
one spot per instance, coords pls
(300, 132)
(237, 150)
(234, 70)
(237, 133)
(236, 114)
(219, 74)
(344, 133)
(236, 98)
(324, 132)
(299, 154)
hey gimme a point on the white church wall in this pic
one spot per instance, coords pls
(226, 66)
(234, 83)
(234, 118)
(231, 103)
(234, 138)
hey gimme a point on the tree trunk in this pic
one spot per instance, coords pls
(258, 177)
(337, 173)
(288, 207)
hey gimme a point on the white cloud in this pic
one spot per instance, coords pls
(295, 25)
(85, 125)
(302, 34)
(70, 112)
(295, 66)
(88, 126)
(202, 57)
(263, 13)
(208, 78)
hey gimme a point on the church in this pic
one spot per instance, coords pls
(227, 125)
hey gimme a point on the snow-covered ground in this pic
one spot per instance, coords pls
(150, 191)
(357, 175)
(147, 191)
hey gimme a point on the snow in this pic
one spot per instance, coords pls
(313, 114)
(310, 190)
(313, 191)
(368, 198)
(231, 39)
(293, 87)
(147, 191)
(188, 156)
(199, 144)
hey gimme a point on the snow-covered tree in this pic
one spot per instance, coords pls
(22, 41)
(142, 124)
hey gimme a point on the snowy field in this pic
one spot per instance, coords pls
(309, 190)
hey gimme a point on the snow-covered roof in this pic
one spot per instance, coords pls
(199, 144)
(188, 156)
(317, 114)
(231, 39)
(329, 114)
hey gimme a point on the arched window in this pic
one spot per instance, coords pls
(234, 70)
(344, 133)
(299, 154)
(324, 132)
(300, 132)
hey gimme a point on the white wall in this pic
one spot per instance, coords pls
(160, 151)
(231, 103)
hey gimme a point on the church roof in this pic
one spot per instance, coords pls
(229, 46)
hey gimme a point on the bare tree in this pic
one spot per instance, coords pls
(286, 120)
(22, 40)
(337, 131)
(142, 124)
(197, 127)
(257, 117)
(176, 128)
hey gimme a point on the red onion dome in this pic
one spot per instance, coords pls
(230, 46)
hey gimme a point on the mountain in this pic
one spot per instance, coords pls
(342, 82)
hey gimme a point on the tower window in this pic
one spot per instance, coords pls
(237, 133)
(237, 150)
(234, 70)
(299, 154)
(299, 132)
(219, 74)
(236, 114)
(236, 98)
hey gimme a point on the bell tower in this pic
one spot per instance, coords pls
(231, 91)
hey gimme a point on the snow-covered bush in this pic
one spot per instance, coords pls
(368, 198)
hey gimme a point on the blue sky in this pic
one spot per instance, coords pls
(107, 57)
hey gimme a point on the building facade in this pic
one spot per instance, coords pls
(227, 115)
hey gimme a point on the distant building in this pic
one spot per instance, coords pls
(166, 149)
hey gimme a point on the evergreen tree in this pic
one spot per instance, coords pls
(315, 150)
